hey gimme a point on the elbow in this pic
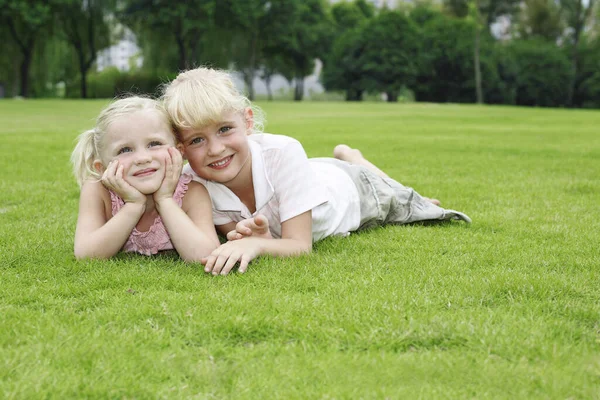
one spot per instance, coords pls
(84, 253)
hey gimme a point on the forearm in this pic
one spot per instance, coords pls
(281, 247)
(190, 241)
(108, 240)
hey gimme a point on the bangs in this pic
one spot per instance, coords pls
(193, 104)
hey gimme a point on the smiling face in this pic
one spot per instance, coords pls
(140, 142)
(220, 152)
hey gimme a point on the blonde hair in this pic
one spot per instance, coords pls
(199, 97)
(89, 143)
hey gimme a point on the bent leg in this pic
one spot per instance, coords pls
(354, 156)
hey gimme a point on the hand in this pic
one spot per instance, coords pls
(113, 179)
(255, 227)
(223, 258)
(173, 166)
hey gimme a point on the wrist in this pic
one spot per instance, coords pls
(134, 206)
(162, 202)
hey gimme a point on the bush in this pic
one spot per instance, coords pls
(111, 82)
(541, 70)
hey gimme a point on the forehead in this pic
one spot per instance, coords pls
(140, 125)
(227, 117)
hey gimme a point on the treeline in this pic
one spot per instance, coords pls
(523, 52)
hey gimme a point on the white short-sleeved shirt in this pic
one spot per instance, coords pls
(287, 184)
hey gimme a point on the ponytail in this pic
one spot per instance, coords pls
(84, 155)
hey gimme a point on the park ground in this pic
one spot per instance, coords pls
(508, 307)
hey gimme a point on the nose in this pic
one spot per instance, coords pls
(215, 147)
(142, 157)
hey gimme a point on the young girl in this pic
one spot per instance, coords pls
(300, 200)
(133, 196)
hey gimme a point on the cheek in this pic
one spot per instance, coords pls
(125, 160)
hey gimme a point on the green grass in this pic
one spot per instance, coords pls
(508, 307)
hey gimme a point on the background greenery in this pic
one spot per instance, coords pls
(505, 308)
(530, 52)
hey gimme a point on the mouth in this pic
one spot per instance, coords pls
(222, 163)
(145, 172)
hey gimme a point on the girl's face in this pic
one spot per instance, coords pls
(140, 142)
(220, 152)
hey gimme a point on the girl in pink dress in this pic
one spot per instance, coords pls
(133, 196)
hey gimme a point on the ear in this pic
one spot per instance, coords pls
(98, 166)
(249, 117)
(181, 149)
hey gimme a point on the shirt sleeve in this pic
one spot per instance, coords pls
(297, 187)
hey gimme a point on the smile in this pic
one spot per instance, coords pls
(222, 163)
(145, 172)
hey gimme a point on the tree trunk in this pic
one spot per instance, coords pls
(249, 81)
(476, 61)
(353, 95)
(24, 72)
(182, 63)
(82, 73)
(299, 89)
(392, 97)
(15, 83)
(268, 85)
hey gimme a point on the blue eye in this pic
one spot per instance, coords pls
(154, 143)
(196, 140)
(224, 129)
(124, 150)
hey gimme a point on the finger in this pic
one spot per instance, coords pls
(210, 262)
(244, 264)
(233, 235)
(176, 156)
(242, 228)
(233, 259)
(261, 221)
(219, 264)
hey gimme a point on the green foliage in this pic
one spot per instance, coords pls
(540, 19)
(111, 82)
(543, 73)
(343, 68)
(184, 22)
(27, 21)
(587, 84)
(445, 72)
(390, 56)
(299, 32)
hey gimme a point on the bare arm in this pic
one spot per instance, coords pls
(95, 236)
(296, 239)
(190, 227)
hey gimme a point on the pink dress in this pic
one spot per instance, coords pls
(156, 238)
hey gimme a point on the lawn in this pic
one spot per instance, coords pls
(508, 307)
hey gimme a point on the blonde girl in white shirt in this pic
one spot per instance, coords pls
(133, 196)
(267, 196)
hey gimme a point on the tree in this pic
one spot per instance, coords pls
(483, 13)
(540, 19)
(543, 73)
(247, 21)
(342, 66)
(27, 22)
(187, 23)
(299, 31)
(9, 64)
(85, 27)
(577, 15)
(389, 57)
